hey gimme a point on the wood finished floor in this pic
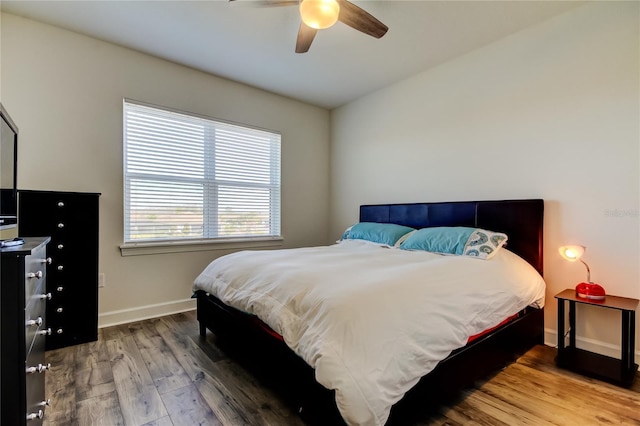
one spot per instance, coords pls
(160, 372)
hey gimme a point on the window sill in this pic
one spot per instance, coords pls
(163, 247)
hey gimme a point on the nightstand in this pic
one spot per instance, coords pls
(618, 371)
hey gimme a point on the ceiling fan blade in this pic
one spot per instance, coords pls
(305, 38)
(360, 20)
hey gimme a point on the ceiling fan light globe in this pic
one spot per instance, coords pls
(319, 14)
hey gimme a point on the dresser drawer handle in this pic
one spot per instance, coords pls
(59, 331)
(34, 416)
(60, 204)
(35, 274)
(61, 225)
(46, 332)
(48, 261)
(45, 296)
(60, 288)
(45, 403)
(41, 368)
(37, 321)
(59, 310)
(60, 267)
(60, 246)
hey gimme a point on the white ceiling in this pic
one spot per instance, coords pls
(254, 45)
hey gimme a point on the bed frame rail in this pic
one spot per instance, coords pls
(278, 367)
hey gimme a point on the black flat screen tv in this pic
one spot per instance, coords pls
(8, 171)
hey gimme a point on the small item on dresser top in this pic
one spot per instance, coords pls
(12, 242)
(589, 289)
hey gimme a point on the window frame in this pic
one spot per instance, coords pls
(188, 244)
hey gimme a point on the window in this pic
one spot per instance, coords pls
(193, 178)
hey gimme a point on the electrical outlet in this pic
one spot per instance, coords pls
(101, 279)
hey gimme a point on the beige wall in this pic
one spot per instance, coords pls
(551, 112)
(65, 91)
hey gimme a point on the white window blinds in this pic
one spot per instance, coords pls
(189, 177)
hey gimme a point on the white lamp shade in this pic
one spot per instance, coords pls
(572, 253)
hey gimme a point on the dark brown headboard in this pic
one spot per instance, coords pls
(521, 220)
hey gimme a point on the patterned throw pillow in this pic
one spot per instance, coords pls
(484, 244)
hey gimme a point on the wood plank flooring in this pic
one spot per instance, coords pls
(161, 372)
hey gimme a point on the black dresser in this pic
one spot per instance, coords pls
(71, 219)
(23, 329)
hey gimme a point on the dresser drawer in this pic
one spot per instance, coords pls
(59, 329)
(71, 271)
(35, 382)
(38, 290)
(58, 317)
(34, 317)
(67, 330)
(35, 273)
(64, 212)
(60, 251)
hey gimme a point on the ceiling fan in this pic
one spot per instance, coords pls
(320, 14)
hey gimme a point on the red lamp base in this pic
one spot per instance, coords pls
(591, 291)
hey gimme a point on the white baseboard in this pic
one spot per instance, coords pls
(124, 316)
(614, 351)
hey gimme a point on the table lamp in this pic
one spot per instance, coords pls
(588, 290)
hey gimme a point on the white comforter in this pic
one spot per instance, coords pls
(372, 320)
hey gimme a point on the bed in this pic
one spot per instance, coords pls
(252, 320)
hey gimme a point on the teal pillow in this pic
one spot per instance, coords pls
(381, 233)
(457, 240)
(445, 240)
